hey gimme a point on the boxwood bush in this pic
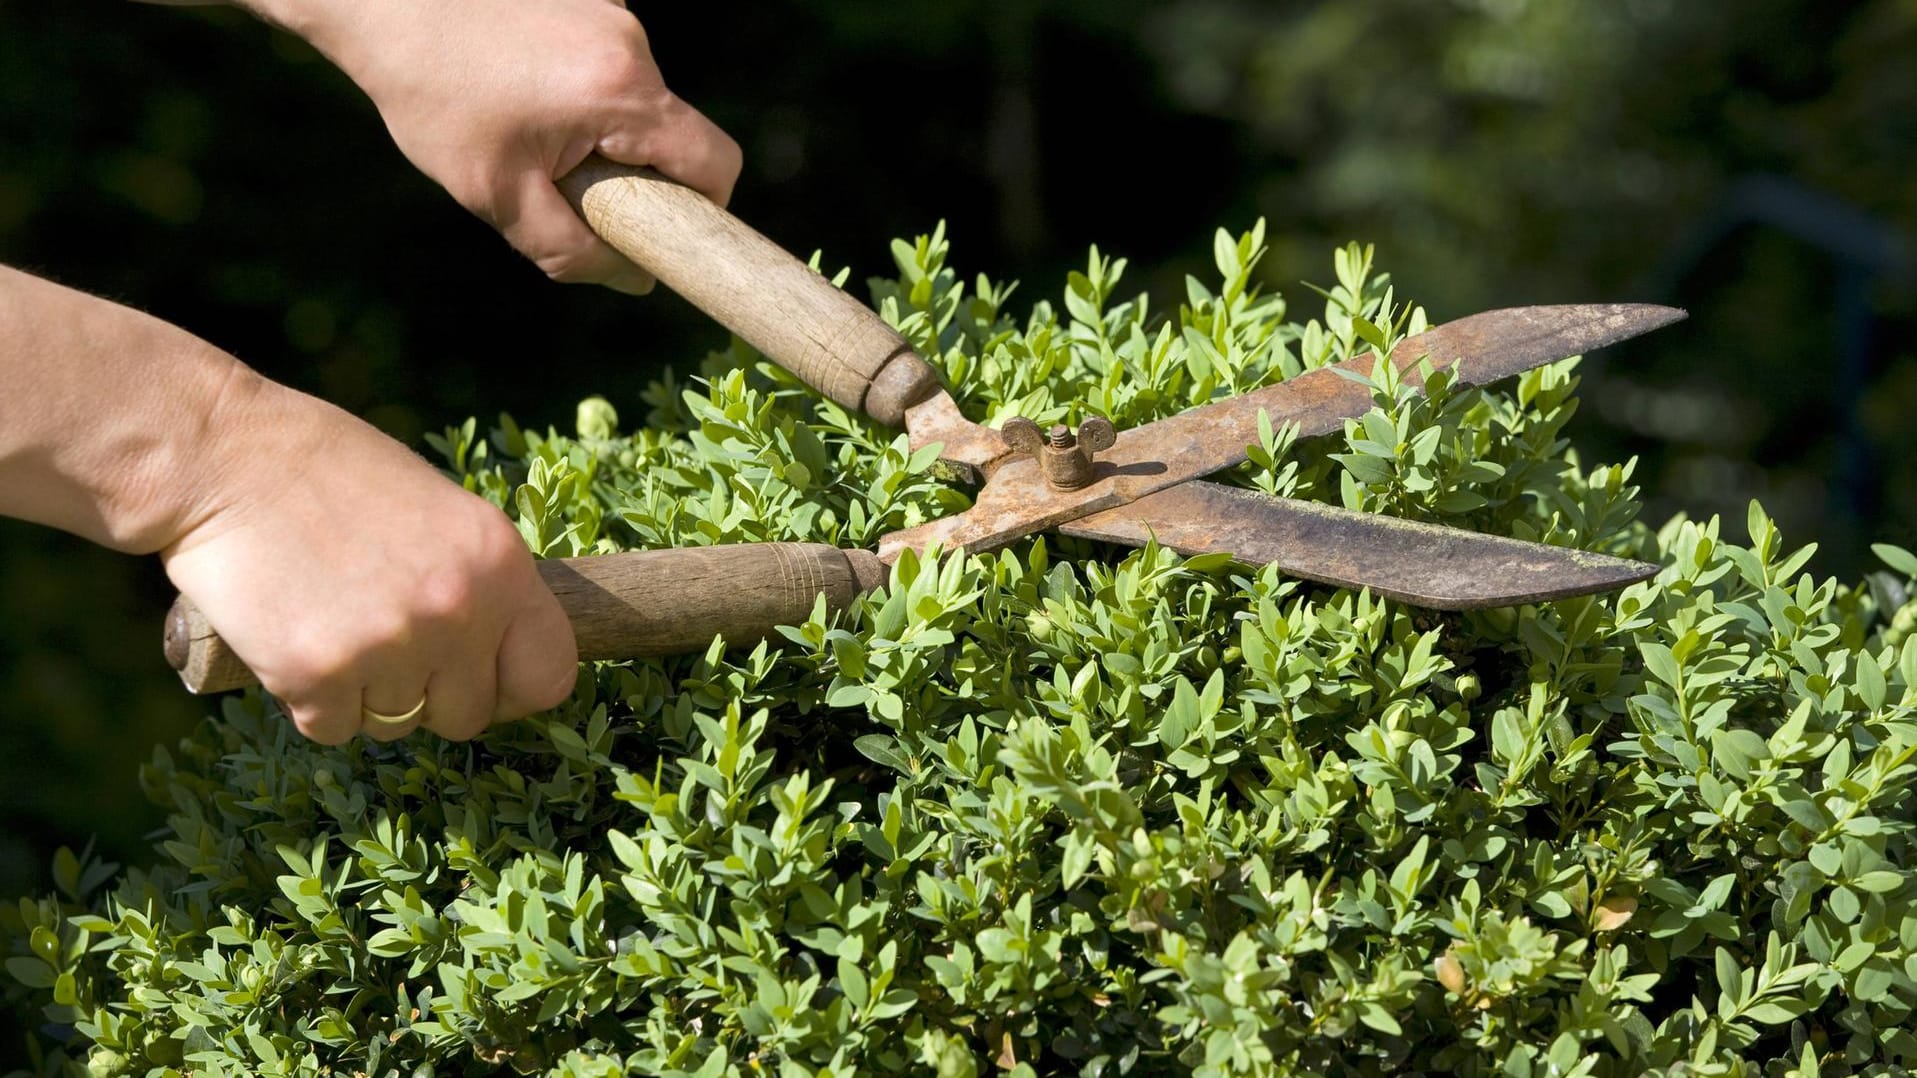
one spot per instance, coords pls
(1064, 808)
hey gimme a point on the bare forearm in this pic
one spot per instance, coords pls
(106, 415)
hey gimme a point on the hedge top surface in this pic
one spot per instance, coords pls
(1063, 809)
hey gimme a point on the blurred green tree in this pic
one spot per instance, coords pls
(1752, 162)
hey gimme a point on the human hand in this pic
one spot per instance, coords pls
(351, 576)
(340, 567)
(495, 99)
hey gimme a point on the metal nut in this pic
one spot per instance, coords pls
(1064, 457)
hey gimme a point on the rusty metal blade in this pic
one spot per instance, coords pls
(1421, 564)
(972, 451)
(1483, 347)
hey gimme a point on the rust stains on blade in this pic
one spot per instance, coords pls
(1015, 503)
(1485, 347)
(972, 450)
(1421, 564)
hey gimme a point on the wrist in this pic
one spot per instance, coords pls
(350, 33)
(106, 415)
(323, 24)
(179, 468)
(250, 440)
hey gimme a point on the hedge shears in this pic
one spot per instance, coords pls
(1128, 487)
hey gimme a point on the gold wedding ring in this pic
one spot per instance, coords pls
(394, 720)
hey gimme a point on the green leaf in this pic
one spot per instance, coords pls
(1658, 660)
(1181, 718)
(1551, 904)
(1844, 904)
(1737, 752)
(999, 945)
(1378, 1018)
(1075, 859)
(1873, 983)
(1871, 688)
(1774, 1012)
(31, 972)
(1729, 975)
(1827, 858)
(883, 749)
(1879, 882)
(1408, 876)
(1896, 557)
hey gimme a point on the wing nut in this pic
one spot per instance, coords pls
(1065, 458)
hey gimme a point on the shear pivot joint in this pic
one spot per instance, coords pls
(1064, 458)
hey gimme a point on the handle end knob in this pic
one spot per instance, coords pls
(177, 639)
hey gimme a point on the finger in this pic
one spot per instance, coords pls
(384, 699)
(541, 225)
(327, 713)
(461, 699)
(538, 660)
(678, 140)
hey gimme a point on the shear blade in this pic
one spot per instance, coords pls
(1017, 500)
(1422, 564)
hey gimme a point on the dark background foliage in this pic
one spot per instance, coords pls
(1751, 163)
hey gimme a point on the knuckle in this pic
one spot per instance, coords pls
(445, 594)
(634, 30)
(499, 550)
(616, 73)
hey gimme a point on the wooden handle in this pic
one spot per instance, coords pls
(753, 287)
(648, 602)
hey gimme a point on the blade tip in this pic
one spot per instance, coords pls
(1661, 315)
(1644, 317)
(1626, 573)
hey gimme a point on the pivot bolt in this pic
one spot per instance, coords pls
(1064, 457)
